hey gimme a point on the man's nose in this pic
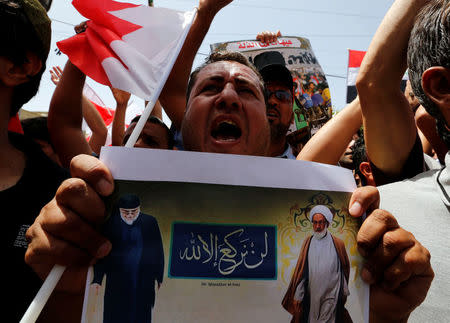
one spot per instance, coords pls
(271, 100)
(229, 98)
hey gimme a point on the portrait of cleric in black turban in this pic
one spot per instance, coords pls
(135, 266)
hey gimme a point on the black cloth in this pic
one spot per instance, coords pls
(20, 205)
(414, 165)
(135, 263)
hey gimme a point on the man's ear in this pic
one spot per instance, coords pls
(436, 85)
(14, 74)
(366, 170)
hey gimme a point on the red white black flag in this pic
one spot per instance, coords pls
(355, 58)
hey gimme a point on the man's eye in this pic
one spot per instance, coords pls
(210, 88)
(246, 90)
(150, 141)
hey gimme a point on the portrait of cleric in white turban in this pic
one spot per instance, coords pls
(318, 288)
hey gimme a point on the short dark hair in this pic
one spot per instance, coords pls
(429, 45)
(156, 120)
(36, 128)
(19, 37)
(359, 155)
(218, 57)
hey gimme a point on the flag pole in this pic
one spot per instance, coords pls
(155, 95)
(43, 294)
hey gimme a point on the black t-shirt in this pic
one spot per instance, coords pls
(414, 165)
(19, 206)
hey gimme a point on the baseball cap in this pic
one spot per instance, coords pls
(272, 67)
(34, 13)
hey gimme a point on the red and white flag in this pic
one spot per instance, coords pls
(127, 46)
(107, 114)
(355, 58)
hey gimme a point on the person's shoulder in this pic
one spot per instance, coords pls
(306, 242)
(38, 164)
(337, 241)
(148, 218)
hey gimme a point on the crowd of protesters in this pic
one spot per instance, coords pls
(396, 143)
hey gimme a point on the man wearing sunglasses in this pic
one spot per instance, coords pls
(279, 84)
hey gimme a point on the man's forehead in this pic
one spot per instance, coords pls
(129, 210)
(276, 84)
(318, 216)
(228, 69)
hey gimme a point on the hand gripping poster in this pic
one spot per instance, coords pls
(312, 99)
(202, 237)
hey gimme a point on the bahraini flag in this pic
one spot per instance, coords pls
(355, 58)
(127, 46)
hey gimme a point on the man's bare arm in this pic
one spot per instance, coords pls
(96, 124)
(389, 127)
(65, 116)
(118, 126)
(173, 96)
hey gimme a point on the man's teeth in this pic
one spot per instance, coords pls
(226, 130)
(230, 122)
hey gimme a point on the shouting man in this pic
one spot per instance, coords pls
(319, 286)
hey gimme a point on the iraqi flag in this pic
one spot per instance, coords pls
(127, 46)
(355, 58)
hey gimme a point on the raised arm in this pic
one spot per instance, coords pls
(330, 142)
(173, 96)
(96, 124)
(65, 116)
(90, 115)
(118, 126)
(389, 127)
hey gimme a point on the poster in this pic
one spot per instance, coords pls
(225, 234)
(312, 103)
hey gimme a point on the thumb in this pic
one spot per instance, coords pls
(363, 199)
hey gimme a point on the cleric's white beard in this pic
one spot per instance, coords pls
(321, 234)
(127, 221)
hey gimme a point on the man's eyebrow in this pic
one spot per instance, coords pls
(241, 80)
(215, 78)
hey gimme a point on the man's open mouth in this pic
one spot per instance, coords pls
(272, 113)
(226, 130)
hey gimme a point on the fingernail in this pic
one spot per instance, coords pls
(356, 209)
(103, 186)
(366, 275)
(104, 249)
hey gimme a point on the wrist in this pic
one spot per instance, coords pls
(121, 106)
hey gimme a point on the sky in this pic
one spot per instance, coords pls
(332, 27)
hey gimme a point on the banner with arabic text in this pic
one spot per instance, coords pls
(312, 104)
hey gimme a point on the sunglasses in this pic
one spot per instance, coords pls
(281, 95)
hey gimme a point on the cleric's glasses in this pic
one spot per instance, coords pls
(280, 95)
